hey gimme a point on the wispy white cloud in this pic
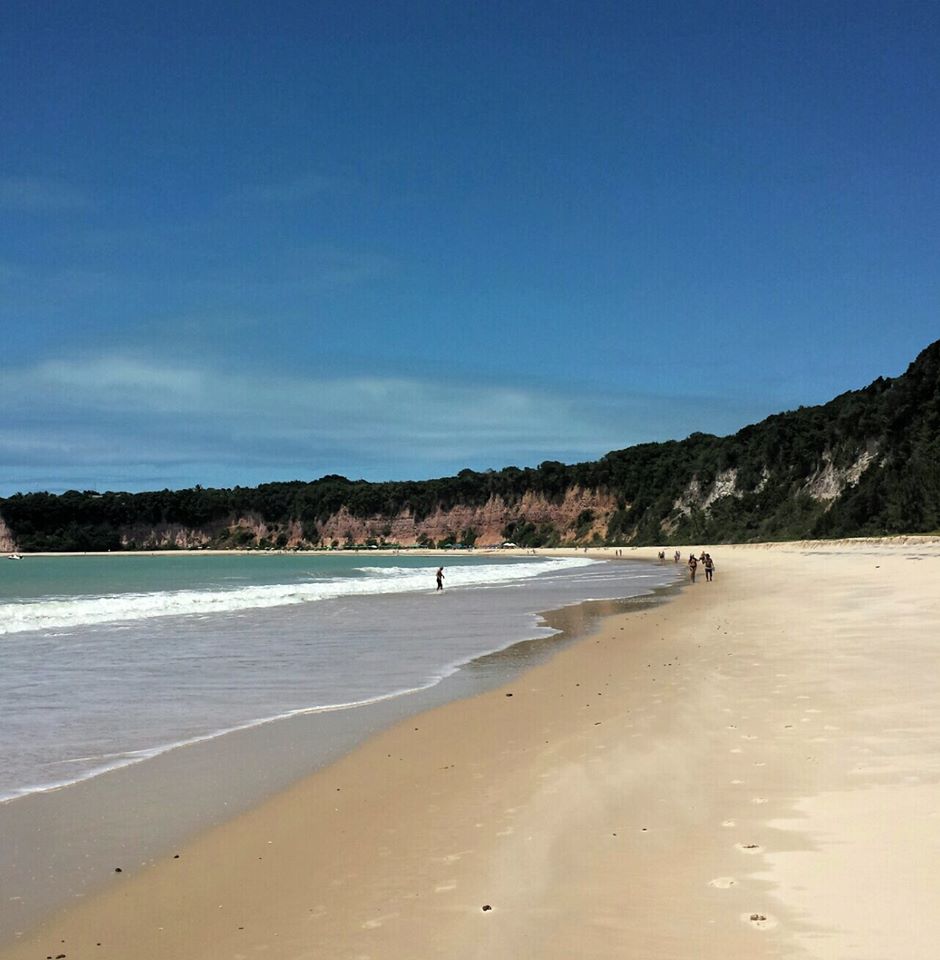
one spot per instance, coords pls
(353, 410)
(118, 383)
(296, 190)
(321, 265)
(40, 195)
(122, 413)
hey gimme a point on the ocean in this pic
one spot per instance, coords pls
(111, 660)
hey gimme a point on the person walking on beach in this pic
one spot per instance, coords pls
(676, 557)
(709, 568)
(693, 566)
(440, 578)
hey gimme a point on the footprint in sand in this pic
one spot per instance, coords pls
(736, 782)
(722, 883)
(748, 736)
(735, 750)
(729, 823)
(378, 921)
(445, 887)
(763, 921)
(758, 799)
(454, 857)
(749, 847)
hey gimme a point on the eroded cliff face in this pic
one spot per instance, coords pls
(826, 485)
(579, 517)
(248, 531)
(829, 481)
(7, 543)
(169, 536)
(488, 522)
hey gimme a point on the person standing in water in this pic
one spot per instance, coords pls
(440, 578)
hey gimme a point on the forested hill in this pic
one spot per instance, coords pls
(866, 463)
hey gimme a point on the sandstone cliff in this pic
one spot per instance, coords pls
(7, 543)
(580, 516)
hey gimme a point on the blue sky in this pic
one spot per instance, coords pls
(243, 242)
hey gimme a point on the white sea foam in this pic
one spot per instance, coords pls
(69, 612)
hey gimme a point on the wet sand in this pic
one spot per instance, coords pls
(751, 769)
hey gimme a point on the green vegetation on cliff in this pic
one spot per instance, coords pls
(866, 463)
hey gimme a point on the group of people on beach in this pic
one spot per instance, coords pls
(706, 561)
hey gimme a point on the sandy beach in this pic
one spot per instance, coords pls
(750, 769)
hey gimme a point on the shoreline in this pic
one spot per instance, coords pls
(751, 769)
(602, 552)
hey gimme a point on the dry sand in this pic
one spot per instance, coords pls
(749, 770)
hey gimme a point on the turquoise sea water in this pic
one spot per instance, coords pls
(113, 660)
